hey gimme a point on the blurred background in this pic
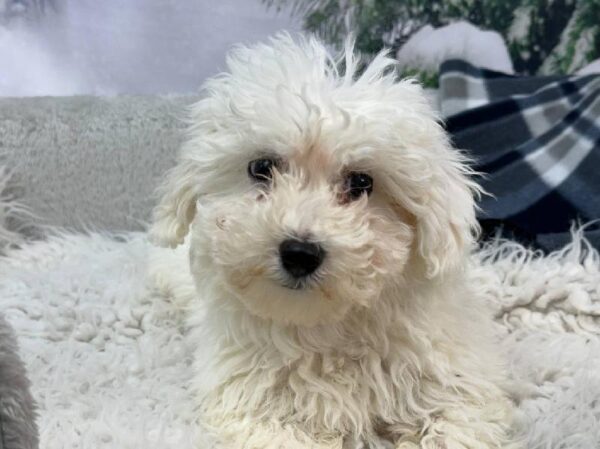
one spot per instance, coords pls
(66, 47)
(100, 47)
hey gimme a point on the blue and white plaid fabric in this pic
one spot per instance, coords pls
(537, 140)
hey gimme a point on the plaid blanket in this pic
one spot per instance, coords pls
(537, 141)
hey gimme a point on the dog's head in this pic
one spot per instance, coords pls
(313, 186)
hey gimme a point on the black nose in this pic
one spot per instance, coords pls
(300, 258)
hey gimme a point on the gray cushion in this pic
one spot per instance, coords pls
(90, 162)
(18, 429)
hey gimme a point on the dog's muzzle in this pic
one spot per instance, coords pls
(300, 258)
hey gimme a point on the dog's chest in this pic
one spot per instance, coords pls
(351, 389)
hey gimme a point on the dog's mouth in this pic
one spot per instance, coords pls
(309, 283)
(242, 279)
(297, 284)
(294, 286)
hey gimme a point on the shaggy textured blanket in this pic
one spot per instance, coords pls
(110, 365)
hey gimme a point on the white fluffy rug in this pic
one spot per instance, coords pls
(108, 359)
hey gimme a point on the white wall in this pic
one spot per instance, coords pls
(110, 47)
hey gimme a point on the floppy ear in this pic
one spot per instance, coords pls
(177, 207)
(447, 224)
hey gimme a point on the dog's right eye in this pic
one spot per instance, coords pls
(261, 170)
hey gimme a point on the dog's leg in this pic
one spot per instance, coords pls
(271, 435)
(476, 427)
(169, 273)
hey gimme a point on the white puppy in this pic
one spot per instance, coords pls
(331, 224)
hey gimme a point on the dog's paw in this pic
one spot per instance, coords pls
(432, 442)
(427, 443)
(407, 445)
(436, 443)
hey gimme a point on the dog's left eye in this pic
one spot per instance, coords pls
(261, 170)
(358, 184)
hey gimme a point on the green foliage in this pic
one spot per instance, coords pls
(427, 79)
(547, 36)
(580, 41)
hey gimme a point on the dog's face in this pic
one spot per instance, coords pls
(312, 191)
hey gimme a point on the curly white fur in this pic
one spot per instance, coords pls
(389, 344)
